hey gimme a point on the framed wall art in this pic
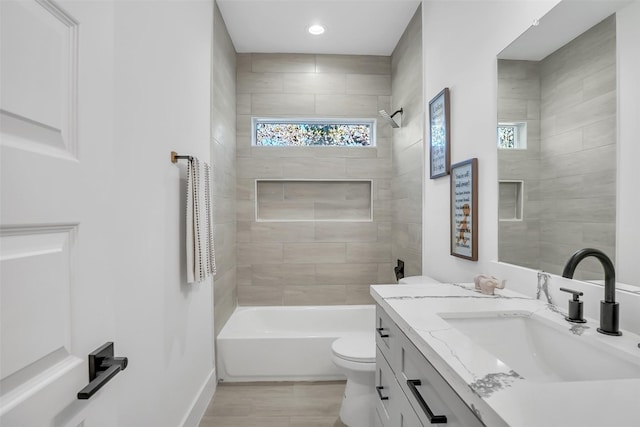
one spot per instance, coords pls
(439, 135)
(464, 209)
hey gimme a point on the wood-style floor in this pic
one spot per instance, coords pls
(299, 404)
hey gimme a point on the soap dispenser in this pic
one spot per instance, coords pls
(575, 307)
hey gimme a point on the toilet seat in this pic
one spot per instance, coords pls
(359, 348)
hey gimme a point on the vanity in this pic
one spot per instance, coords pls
(449, 355)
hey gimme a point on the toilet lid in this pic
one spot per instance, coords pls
(356, 347)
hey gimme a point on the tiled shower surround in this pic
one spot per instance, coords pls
(519, 101)
(223, 160)
(569, 167)
(313, 200)
(408, 148)
(312, 262)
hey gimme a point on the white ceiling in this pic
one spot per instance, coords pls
(354, 27)
(562, 24)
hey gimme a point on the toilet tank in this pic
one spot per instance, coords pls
(418, 280)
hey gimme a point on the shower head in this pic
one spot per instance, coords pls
(389, 117)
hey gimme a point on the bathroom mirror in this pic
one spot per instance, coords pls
(557, 137)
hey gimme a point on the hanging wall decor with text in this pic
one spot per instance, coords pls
(439, 135)
(464, 209)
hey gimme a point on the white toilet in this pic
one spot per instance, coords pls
(356, 355)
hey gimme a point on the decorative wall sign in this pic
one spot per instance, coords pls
(464, 209)
(439, 134)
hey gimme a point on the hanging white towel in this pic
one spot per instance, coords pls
(201, 260)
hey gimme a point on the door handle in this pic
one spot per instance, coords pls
(102, 367)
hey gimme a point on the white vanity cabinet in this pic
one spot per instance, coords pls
(411, 393)
(392, 407)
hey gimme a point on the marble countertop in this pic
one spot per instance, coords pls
(498, 394)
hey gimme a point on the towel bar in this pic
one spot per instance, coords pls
(175, 157)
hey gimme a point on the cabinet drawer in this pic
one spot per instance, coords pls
(377, 422)
(428, 392)
(388, 392)
(392, 407)
(387, 337)
(408, 417)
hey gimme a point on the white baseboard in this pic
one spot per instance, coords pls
(200, 403)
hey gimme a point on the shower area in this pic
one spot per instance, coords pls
(311, 226)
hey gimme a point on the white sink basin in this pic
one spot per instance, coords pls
(541, 350)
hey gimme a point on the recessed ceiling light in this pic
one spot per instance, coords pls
(316, 30)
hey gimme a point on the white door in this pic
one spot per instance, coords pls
(56, 90)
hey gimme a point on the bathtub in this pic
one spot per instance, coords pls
(287, 343)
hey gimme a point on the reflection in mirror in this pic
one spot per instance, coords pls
(557, 153)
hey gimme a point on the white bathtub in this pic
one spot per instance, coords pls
(287, 343)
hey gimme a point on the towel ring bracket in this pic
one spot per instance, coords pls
(175, 157)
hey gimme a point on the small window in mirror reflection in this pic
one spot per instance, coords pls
(512, 136)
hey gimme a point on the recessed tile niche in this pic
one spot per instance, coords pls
(511, 200)
(314, 200)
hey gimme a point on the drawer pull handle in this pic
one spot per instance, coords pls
(382, 335)
(379, 389)
(433, 419)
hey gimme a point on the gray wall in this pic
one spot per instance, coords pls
(312, 262)
(223, 153)
(519, 101)
(408, 151)
(578, 162)
(570, 204)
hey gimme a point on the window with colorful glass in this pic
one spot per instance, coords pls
(512, 136)
(313, 132)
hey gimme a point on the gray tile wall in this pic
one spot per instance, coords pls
(519, 101)
(223, 153)
(570, 172)
(408, 151)
(292, 200)
(312, 263)
(578, 152)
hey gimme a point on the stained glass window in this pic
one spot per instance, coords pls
(512, 136)
(313, 132)
(506, 137)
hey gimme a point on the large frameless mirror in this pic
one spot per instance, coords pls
(557, 137)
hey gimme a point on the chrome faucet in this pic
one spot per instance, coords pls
(609, 308)
(543, 285)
